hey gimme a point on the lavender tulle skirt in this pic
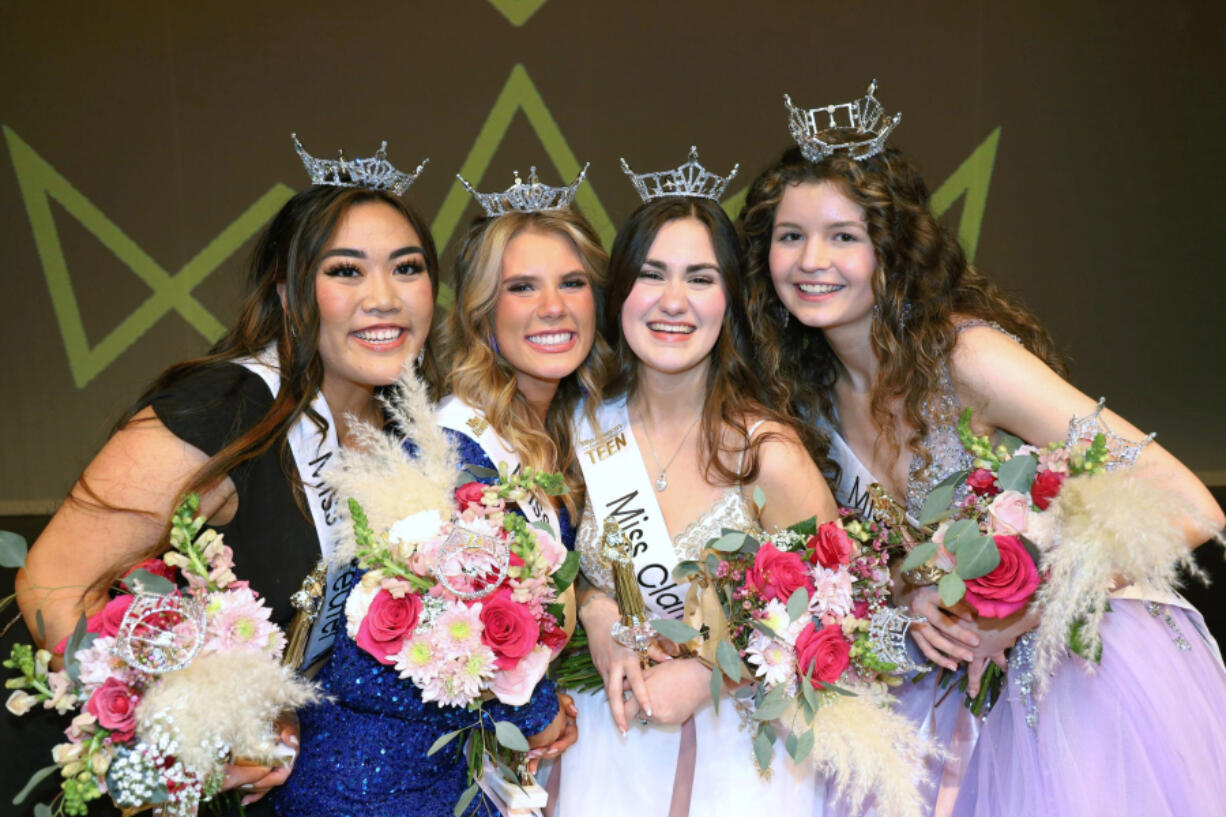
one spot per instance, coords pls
(1143, 734)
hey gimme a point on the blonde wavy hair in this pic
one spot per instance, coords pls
(483, 378)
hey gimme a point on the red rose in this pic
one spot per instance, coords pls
(114, 705)
(155, 566)
(469, 493)
(1045, 488)
(831, 546)
(510, 630)
(825, 652)
(1009, 586)
(983, 482)
(776, 574)
(388, 621)
(552, 636)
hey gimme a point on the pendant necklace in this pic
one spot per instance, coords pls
(662, 480)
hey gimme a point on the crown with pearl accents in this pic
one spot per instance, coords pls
(532, 197)
(690, 179)
(858, 128)
(374, 173)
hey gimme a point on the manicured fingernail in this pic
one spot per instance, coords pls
(247, 786)
(648, 711)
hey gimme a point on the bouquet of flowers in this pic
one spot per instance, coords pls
(1056, 528)
(458, 595)
(152, 677)
(805, 613)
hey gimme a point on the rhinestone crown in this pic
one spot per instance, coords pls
(690, 179)
(526, 198)
(858, 128)
(375, 173)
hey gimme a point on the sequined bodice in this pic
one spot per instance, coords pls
(730, 510)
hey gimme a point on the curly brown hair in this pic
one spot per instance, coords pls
(922, 282)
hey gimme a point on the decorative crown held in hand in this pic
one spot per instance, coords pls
(532, 197)
(633, 630)
(690, 179)
(858, 128)
(375, 173)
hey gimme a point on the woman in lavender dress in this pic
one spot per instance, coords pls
(872, 323)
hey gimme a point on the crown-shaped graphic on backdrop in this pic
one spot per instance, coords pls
(375, 173)
(690, 179)
(526, 198)
(859, 128)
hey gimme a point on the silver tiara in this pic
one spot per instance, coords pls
(375, 173)
(821, 132)
(526, 198)
(691, 179)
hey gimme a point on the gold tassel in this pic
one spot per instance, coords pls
(307, 601)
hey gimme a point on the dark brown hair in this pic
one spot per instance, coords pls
(731, 400)
(922, 281)
(286, 256)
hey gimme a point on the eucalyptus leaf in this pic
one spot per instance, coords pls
(762, 628)
(674, 630)
(759, 497)
(463, 478)
(771, 708)
(838, 690)
(467, 797)
(685, 570)
(936, 506)
(919, 554)
(978, 557)
(768, 730)
(13, 549)
(508, 735)
(36, 778)
(543, 526)
(712, 562)
(729, 542)
(142, 581)
(952, 589)
(762, 750)
(743, 691)
(1010, 442)
(789, 744)
(75, 641)
(807, 692)
(717, 687)
(1032, 549)
(1016, 473)
(442, 741)
(565, 575)
(804, 745)
(798, 603)
(43, 810)
(480, 471)
(960, 532)
(729, 661)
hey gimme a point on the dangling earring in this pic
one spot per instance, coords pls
(493, 342)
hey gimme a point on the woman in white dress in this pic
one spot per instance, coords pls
(674, 457)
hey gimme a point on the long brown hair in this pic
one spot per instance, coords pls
(483, 378)
(730, 402)
(922, 281)
(285, 258)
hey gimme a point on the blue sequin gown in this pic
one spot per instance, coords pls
(364, 752)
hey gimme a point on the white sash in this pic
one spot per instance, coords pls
(312, 451)
(618, 485)
(455, 414)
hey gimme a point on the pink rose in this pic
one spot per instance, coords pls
(1007, 513)
(777, 574)
(514, 686)
(112, 615)
(114, 705)
(1046, 487)
(1009, 586)
(469, 493)
(388, 621)
(510, 630)
(825, 652)
(982, 482)
(831, 546)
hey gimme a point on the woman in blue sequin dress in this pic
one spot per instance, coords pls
(520, 344)
(872, 323)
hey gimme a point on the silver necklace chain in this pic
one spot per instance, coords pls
(662, 480)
